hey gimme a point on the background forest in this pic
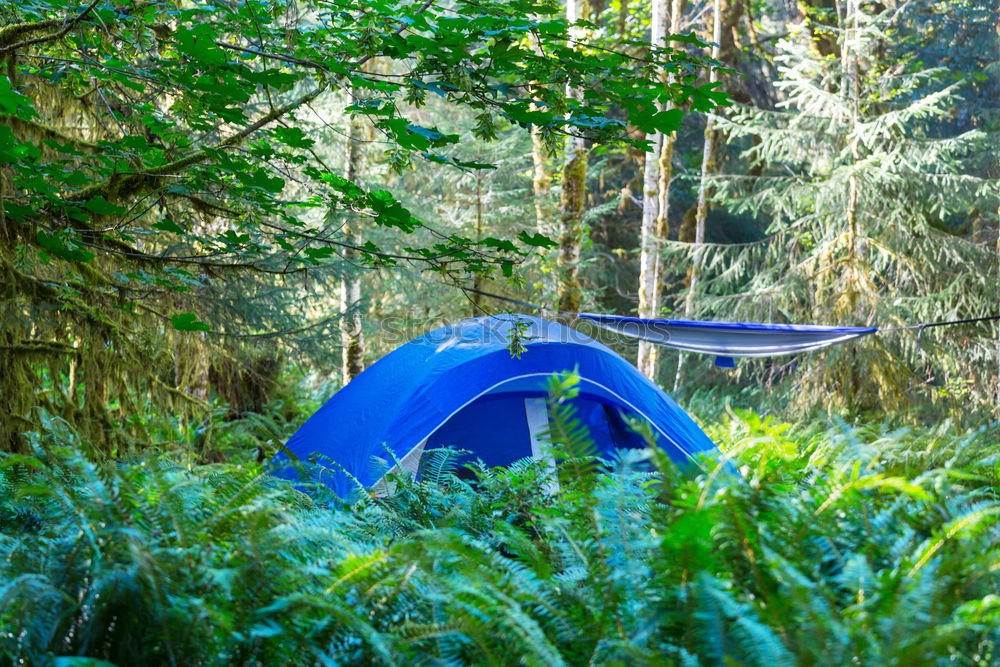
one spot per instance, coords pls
(214, 214)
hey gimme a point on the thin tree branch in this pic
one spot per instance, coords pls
(195, 157)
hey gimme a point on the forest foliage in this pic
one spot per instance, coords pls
(214, 214)
(158, 164)
(198, 198)
(837, 544)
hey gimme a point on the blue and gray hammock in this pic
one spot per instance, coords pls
(727, 340)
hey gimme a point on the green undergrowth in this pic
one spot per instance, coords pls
(838, 545)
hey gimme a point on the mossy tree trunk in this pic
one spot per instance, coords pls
(351, 326)
(656, 201)
(477, 279)
(574, 176)
(574, 181)
(821, 19)
(709, 164)
(541, 181)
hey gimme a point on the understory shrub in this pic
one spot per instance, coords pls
(837, 545)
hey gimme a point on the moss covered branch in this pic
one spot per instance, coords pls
(22, 29)
(140, 183)
(38, 347)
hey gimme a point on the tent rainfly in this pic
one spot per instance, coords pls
(459, 386)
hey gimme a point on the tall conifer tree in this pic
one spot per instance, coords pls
(867, 187)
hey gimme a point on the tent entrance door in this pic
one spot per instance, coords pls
(536, 413)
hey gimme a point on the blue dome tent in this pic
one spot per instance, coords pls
(460, 386)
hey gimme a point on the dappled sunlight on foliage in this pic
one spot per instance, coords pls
(216, 215)
(848, 542)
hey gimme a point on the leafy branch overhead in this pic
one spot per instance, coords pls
(196, 148)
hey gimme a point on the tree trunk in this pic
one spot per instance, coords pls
(623, 17)
(850, 272)
(726, 36)
(710, 158)
(351, 332)
(650, 292)
(574, 177)
(18, 386)
(191, 364)
(477, 279)
(541, 182)
(852, 281)
(649, 240)
(820, 19)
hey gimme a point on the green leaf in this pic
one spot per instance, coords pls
(8, 142)
(280, 240)
(344, 186)
(390, 212)
(64, 245)
(319, 253)
(689, 38)
(271, 77)
(13, 103)
(260, 178)
(434, 136)
(523, 113)
(500, 244)
(268, 629)
(897, 484)
(13, 150)
(231, 237)
(537, 240)
(168, 225)
(199, 44)
(461, 164)
(666, 121)
(102, 206)
(188, 322)
(705, 98)
(292, 136)
(10, 459)
(16, 211)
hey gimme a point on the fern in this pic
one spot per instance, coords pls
(575, 452)
(849, 543)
